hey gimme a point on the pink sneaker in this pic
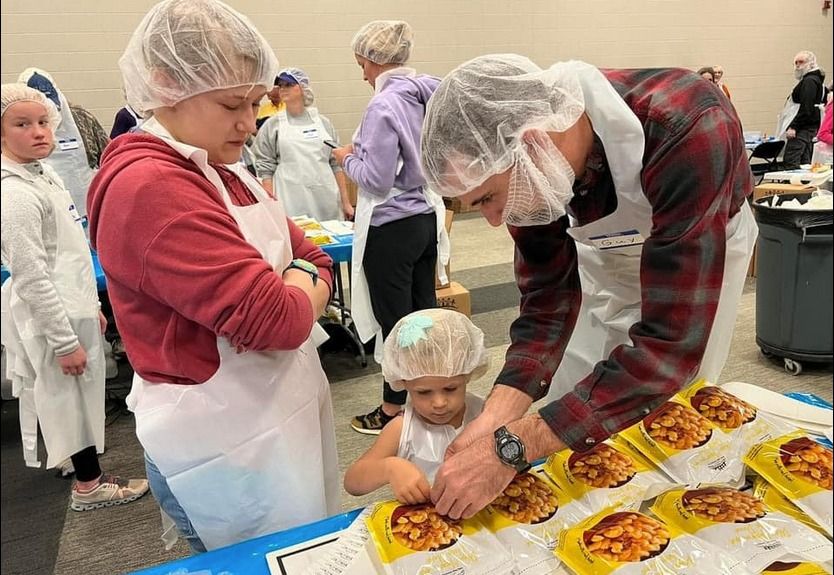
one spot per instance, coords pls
(111, 490)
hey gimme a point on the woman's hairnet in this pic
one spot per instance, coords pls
(384, 41)
(476, 116)
(433, 342)
(187, 47)
(302, 79)
(11, 94)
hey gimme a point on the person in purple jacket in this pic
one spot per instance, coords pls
(398, 221)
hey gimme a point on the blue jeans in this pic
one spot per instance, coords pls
(170, 505)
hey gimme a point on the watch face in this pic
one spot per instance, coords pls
(511, 451)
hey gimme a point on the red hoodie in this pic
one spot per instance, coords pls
(179, 272)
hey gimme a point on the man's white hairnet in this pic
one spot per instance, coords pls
(810, 61)
(433, 342)
(183, 48)
(302, 79)
(11, 94)
(384, 42)
(476, 116)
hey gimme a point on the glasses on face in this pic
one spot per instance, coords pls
(799, 62)
(285, 85)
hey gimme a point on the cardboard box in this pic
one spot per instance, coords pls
(455, 297)
(352, 191)
(766, 190)
(456, 206)
(450, 215)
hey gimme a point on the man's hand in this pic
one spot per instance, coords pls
(790, 134)
(102, 321)
(407, 481)
(73, 363)
(470, 480)
(348, 211)
(341, 153)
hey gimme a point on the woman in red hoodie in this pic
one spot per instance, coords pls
(216, 292)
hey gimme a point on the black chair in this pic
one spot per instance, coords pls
(769, 152)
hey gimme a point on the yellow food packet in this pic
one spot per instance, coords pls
(774, 500)
(800, 468)
(416, 539)
(609, 474)
(738, 522)
(632, 543)
(795, 568)
(527, 518)
(685, 445)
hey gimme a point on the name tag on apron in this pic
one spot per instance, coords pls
(65, 145)
(617, 240)
(311, 133)
(74, 213)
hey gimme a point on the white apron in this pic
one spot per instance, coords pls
(253, 449)
(786, 116)
(424, 444)
(609, 251)
(304, 179)
(360, 298)
(69, 409)
(69, 158)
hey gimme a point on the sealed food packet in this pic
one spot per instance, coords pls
(800, 468)
(609, 474)
(632, 543)
(411, 539)
(685, 445)
(527, 518)
(738, 522)
(795, 568)
(775, 501)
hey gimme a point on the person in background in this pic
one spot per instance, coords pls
(707, 73)
(271, 106)
(823, 150)
(292, 159)
(800, 118)
(127, 120)
(718, 73)
(433, 354)
(215, 289)
(70, 157)
(630, 259)
(92, 134)
(52, 325)
(399, 223)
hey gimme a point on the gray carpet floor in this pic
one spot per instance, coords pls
(41, 535)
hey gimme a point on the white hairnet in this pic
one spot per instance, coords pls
(384, 41)
(303, 80)
(187, 47)
(11, 94)
(475, 119)
(433, 342)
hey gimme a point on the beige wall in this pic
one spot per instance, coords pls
(79, 42)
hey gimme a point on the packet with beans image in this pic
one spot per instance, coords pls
(685, 445)
(632, 543)
(411, 539)
(609, 474)
(738, 522)
(800, 468)
(775, 501)
(527, 518)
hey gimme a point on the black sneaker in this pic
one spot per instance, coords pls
(371, 423)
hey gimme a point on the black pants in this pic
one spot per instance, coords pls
(798, 150)
(86, 464)
(399, 261)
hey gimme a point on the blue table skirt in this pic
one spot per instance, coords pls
(341, 251)
(101, 281)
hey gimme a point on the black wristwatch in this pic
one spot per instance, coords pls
(305, 266)
(510, 450)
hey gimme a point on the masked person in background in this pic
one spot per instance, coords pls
(630, 258)
(718, 74)
(270, 106)
(800, 118)
(69, 159)
(292, 159)
(217, 291)
(51, 323)
(399, 223)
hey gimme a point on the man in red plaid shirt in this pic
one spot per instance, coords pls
(625, 193)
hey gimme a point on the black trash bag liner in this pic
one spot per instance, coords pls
(790, 218)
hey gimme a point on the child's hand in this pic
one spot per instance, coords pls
(407, 481)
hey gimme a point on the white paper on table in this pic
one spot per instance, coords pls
(338, 228)
(296, 559)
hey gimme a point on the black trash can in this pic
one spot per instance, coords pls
(794, 283)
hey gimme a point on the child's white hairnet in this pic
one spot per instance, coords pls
(13, 93)
(384, 41)
(436, 342)
(476, 116)
(302, 79)
(187, 47)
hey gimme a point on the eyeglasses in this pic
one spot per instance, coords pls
(285, 84)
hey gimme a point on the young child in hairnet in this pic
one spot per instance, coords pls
(433, 354)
